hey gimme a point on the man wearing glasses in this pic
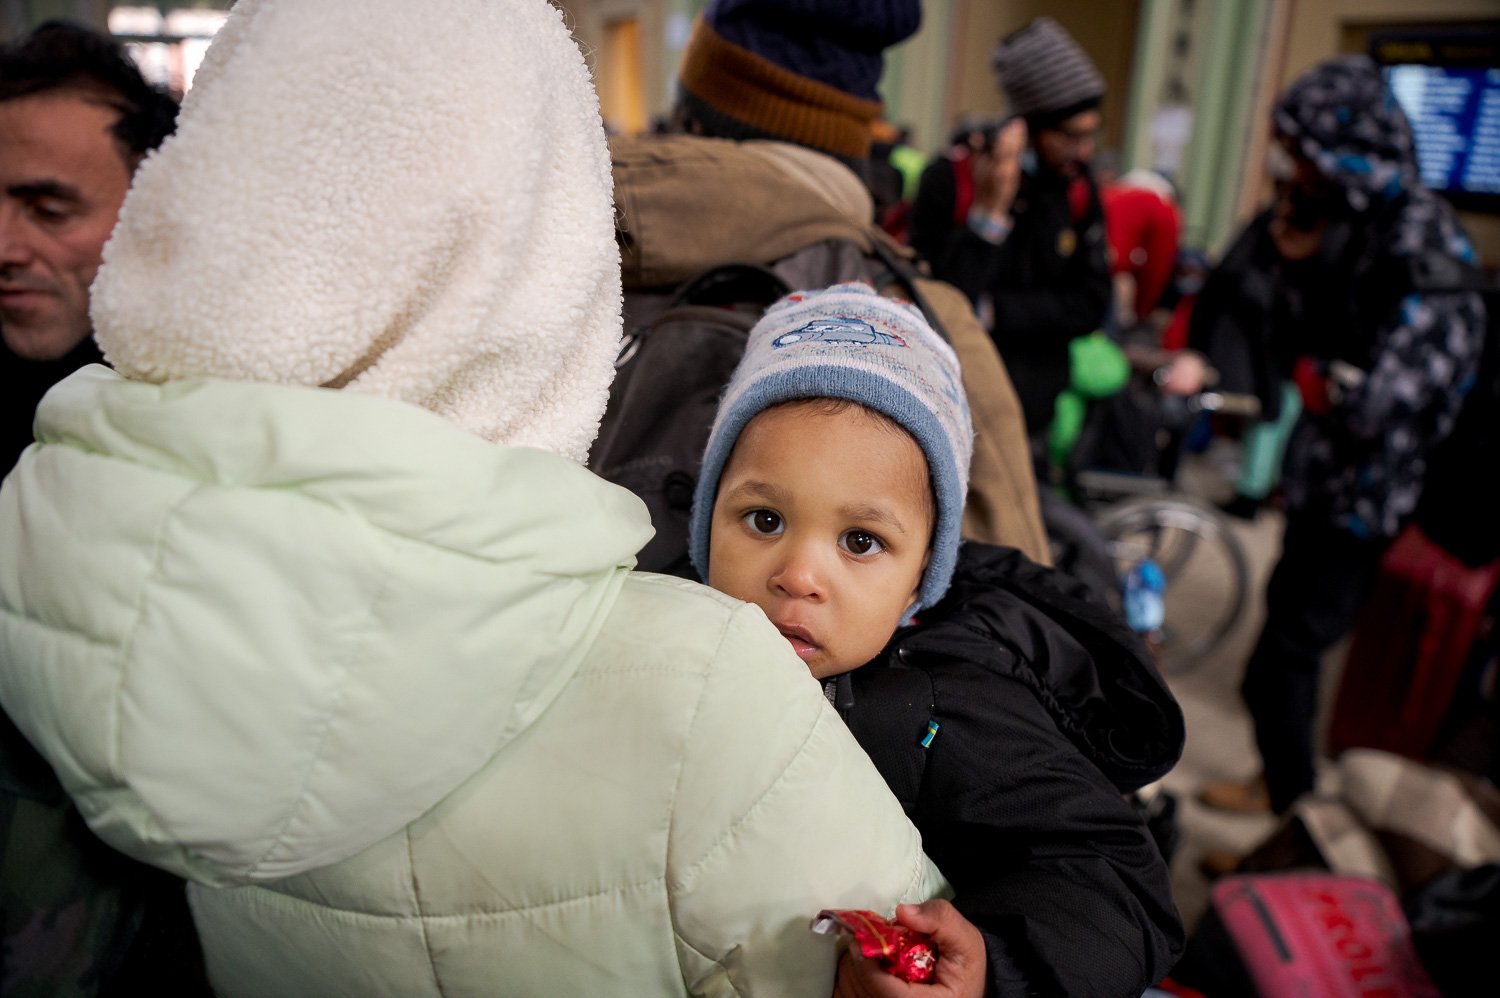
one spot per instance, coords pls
(1024, 235)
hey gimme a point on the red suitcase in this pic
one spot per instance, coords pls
(1414, 636)
(1320, 935)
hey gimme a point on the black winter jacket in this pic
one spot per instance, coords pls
(1048, 281)
(26, 381)
(1049, 711)
(1359, 466)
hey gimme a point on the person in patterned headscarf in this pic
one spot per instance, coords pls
(1316, 292)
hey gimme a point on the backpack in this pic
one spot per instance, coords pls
(668, 378)
(1455, 510)
(704, 225)
(673, 365)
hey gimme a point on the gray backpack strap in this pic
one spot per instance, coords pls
(904, 272)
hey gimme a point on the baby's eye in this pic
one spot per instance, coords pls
(861, 542)
(763, 521)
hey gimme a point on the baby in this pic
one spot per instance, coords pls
(1008, 713)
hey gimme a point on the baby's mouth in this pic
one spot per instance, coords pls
(801, 640)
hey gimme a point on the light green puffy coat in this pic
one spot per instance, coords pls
(390, 697)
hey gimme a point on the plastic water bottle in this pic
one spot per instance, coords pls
(1145, 604)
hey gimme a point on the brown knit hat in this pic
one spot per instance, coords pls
(1045, 75)
(799, 71)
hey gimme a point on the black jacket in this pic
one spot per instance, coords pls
(1049, 711)
(1403, 355)
(1360, 466)
(26, 381)
(1048, 281)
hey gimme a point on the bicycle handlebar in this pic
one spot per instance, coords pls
(1157, 360)
(1229, 403)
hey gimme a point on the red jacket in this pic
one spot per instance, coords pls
(1143, 228)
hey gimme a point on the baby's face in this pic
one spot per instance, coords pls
(824, 522)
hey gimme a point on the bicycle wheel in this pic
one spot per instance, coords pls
(1207, 574)
(1079, 549)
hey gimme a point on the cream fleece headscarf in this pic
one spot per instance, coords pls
(405, 199)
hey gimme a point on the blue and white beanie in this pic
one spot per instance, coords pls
(849, 342)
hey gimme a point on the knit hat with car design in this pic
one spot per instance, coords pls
(1046, 75)
(801, 70)
(849, 342)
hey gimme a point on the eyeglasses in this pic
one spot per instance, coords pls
(1076, 136)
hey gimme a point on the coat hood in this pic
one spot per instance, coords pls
(409, 200)
(257, 628)
(1092, 672)
(1341, 115)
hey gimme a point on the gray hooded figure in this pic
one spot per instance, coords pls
(1320, 291)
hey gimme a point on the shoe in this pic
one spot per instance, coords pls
(1237, 796)
(1216, 863)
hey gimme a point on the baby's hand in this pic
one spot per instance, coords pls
(961, 966)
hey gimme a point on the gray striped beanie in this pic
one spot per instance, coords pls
(1045, 74)
(849, 342)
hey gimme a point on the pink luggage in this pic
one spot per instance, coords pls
(1320, 935)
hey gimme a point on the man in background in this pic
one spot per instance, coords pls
(75, 118)
(1030, 250)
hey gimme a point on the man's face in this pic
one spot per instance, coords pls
(823, 520)
(62, 179)
(1066, 148)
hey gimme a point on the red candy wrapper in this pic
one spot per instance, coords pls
(908, 954)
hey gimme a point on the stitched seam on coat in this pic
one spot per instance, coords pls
(759, 803)
(416, 902)
(671, 896)
(717, 963)
(299, 800)
(374, 525)
(264, 895)
(751, 812)
(127, 644)
(603, 677)
(666, 858)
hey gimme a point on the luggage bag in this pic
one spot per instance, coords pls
(1420, 624)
